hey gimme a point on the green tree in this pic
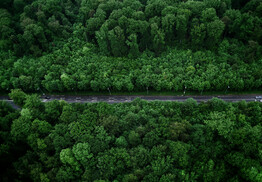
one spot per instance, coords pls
(82, 153)
(35, 105)
(18, 96)
(214, 32)
(21, 127)
(102, 39)
(121, 142)
(220, 123)
(168, 25)
(133, 46)
(134, 138)
(67, 157)
(198, 34)
(117, 41)
(158, 38)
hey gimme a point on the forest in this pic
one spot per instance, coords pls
(130, 142)
(130, 45)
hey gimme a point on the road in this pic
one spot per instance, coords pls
(118, 99)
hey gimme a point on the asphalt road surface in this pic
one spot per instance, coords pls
(118, 99)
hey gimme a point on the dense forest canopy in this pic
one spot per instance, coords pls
(130, 45)
(130, 142)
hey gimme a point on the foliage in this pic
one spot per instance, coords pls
(68, 45)
(62, 71)
(137, 141)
